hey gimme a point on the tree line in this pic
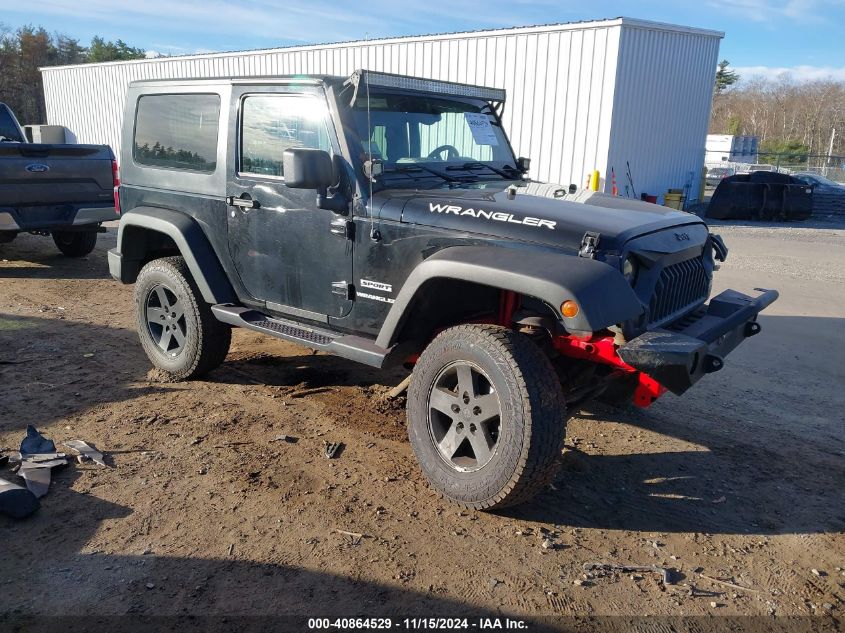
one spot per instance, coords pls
(24, 50)
(788, 116)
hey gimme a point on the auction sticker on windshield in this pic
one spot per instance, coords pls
(482, 131)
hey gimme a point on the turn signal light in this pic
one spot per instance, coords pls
(569, 308)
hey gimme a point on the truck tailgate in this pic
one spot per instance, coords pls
(42, 175)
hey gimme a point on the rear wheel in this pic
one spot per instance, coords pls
(486, 416)
(177, 329)
(75, 243)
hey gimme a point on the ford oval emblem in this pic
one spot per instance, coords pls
(37, 168)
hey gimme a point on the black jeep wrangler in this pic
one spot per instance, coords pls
(385, 219)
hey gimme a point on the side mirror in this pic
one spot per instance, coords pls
(307, 168)
(523, 164)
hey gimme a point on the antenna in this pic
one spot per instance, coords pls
(375, 234)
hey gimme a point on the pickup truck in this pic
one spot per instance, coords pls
(66, 191)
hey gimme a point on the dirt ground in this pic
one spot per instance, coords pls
(203, 513)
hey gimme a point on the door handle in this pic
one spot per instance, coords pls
(243, 203)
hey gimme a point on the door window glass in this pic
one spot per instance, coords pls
(177, 131)
(271, 124)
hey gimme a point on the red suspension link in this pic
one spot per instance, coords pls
(602, 349)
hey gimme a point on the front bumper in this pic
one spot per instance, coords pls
(679, 355)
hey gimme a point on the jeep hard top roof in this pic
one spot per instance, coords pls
(358, 79)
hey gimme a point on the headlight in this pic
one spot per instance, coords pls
(629, 269)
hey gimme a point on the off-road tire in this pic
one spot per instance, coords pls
(206, 340)
(532, 423)
(75, 243)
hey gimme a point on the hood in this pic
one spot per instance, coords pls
(536, 212)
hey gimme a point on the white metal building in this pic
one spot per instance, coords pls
(580, 96)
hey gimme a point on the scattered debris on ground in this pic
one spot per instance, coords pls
(34, 442)
(86, 452)
(332, 450)
(289, 439)
(354, 537)
(598, 570)
(34, 464)
(16, 501)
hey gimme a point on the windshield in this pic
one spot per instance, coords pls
(426, 136)
(8, 128)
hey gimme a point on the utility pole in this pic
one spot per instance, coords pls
(830, 150)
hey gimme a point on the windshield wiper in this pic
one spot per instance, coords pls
(475, 166)
(418, 167)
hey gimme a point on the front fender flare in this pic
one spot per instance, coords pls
(189, 238)
(604, 296)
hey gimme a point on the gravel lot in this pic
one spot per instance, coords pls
(202, 513)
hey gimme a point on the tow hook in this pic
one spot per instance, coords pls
(712, 363)
(752, 328)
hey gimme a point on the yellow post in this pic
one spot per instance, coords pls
(672, 200)
(594, 180)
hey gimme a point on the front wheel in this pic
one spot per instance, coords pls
(75, 243)
(486, 416)
(177, 329)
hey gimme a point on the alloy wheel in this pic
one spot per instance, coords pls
(165, 317)
(464, 416)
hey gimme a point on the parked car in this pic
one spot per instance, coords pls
(828, 195)
(716, 174)
(66, 191)
(386, 219)
(819, 182)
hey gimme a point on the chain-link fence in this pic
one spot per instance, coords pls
(822, 165)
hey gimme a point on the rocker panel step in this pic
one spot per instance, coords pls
(354, 348)
(291, 331)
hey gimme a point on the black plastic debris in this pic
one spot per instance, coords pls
(16, 501)
(332, 450)
(34, 442)
(761, 195)
(37, 458)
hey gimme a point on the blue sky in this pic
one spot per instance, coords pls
(763, 37)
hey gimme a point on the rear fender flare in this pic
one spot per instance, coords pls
(189, 239)
(604, 296)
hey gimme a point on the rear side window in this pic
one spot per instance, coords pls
(270, 124)
(177, 131)
(8, 129)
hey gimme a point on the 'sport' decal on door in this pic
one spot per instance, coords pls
(376, 285)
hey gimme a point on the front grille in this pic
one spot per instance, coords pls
(680, 287)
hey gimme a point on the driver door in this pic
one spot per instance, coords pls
(280, 241)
